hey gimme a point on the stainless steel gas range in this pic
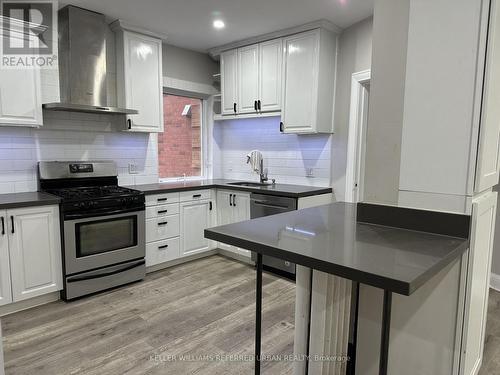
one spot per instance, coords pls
(103, 226)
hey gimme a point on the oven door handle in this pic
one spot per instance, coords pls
(100, 214)
(74, 279)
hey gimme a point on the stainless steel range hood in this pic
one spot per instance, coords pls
(82, 63)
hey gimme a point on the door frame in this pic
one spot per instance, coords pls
(358, 119)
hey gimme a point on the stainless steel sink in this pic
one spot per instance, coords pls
(249, 184)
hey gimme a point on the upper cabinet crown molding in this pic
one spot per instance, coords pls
(123, 25)
(323, 24)
(140, 79)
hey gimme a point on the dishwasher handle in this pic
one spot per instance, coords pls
(273, 205)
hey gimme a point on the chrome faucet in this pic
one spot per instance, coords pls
(262, 172)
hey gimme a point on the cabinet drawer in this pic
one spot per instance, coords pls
(162, 228)
(162, 210)
(196, 195)
(162, 251)
(155, 199)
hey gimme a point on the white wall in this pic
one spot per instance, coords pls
(385, 120)
(287, 156)
(355, 55)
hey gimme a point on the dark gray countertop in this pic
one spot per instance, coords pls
(284, 190)
(16, 200)
(329, 238)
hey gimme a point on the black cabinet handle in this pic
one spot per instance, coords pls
(255, 105)
(162, 211)
(12, 222)
(234, 107)
(162, 247)
(281, 127)
(162, 199)
(234, 200)
(259, 104)
(3, 226)
(210, 206)
(230, 199)
(163, 223)
(129, 122)
(196, 195)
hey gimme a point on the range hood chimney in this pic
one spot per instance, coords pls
(82, 63)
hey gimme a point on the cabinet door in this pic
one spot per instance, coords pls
(300, 88)
(241, 212)
(487, 171)
(35, 251)
(5, 285)
(229, 78)
(248, 78)
(20, 97)
(270, 61)
(195, 218)
(225, 214)
(144, 81)
(481, 247)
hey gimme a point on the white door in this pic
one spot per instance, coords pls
(224, 213)
(229, 78)
(144, 82)
(487, 171)
(481, 247)
(241, 212)
(195, 218)
(248, 78)
(300, 86)
(270, 61)
(35, 251)
(20, 97)
(5, 285)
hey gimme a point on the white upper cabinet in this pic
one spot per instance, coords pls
(248, 79)
(487, 172)
(229, 79)
(35, 251)
(309, 63)
(270, 61)
(140, 79)
(5, 284)
(251, 78)
(20, 90)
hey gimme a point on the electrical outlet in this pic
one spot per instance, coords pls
(309, 172)
(133, 168)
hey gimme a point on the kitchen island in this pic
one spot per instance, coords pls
(395, 249)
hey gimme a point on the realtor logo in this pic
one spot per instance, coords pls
(29, 33)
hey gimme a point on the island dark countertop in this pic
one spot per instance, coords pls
(329, 239)
(284, 190)
(17, 200)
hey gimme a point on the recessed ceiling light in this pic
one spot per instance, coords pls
(219, 24)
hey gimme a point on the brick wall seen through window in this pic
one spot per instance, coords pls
(179, 146)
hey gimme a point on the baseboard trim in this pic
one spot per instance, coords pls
(495, 282)
(29, 303)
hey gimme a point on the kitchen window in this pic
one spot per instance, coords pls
(180, 146)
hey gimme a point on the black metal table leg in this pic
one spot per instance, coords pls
(353, 330)
(258, 314)
(386, 333)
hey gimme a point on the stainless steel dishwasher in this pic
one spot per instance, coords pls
(266, 205)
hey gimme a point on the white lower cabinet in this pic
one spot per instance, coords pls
(33, 251)
(162, 251)
(196, 216)
(481, 247)
(233, 207)
(5, 283)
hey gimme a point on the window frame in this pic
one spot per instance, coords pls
(203, 136)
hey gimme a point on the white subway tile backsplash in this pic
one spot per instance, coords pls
(73, 136)
(286, 156)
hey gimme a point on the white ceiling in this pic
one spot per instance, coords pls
(188, 23)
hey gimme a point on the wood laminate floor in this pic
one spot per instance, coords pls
(491, 359)
(202, 308)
